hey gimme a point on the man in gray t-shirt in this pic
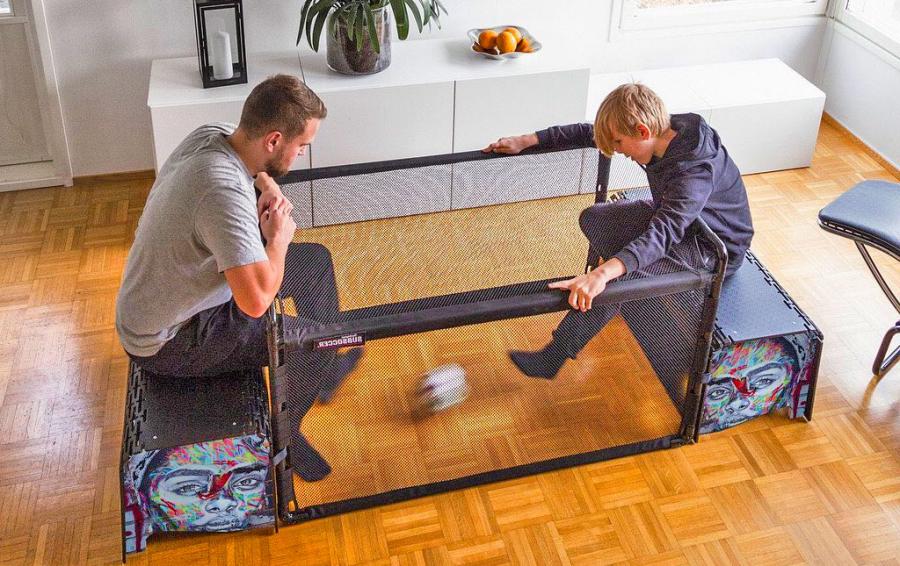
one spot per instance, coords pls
(209, 254)
(200, 220)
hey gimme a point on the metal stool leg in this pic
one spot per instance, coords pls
(882, 365)
(877, 274)
(884, 361)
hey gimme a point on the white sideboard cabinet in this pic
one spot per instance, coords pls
(437, 97)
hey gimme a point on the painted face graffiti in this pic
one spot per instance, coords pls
(209, 486)
(748, 380)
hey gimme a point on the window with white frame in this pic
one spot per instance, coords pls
(5, 9)
(876, 20)
(661, 14)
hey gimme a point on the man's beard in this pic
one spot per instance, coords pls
(273, 168)
(275, 171)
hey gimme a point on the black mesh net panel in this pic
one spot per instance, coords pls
(462, 279)
(666, 325)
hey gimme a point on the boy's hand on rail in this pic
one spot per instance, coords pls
(512, 145)
(583, 288)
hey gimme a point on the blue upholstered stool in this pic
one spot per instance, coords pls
(869, 214)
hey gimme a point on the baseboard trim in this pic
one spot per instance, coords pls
(142, 175)
(39, 183)
(831, 121)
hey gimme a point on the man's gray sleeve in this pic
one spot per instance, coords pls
(225, 223)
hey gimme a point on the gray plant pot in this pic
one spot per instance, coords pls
(342, 55)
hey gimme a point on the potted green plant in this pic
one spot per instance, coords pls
(359, 31)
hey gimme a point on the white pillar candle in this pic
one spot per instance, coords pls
(221, 56)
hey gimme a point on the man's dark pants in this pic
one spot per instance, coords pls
(224, 339)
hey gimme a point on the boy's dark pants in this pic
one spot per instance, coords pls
(609, 227)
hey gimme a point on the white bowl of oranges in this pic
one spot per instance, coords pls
(503, 42)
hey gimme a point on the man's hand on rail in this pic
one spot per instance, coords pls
(583, 288)
(512, 145)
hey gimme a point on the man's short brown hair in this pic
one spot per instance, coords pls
(283, 103)
(624, 108)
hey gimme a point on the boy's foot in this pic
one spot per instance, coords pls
(341, 367)
(307, 462)
(544, 364)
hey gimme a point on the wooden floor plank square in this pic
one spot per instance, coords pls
(567, 493)
(668, 472)
(769, 547)
(743, 507)
(868, 533)
(358, 536)
(693, 518)
(591, 539)
(790, 497)
(465, 514)
(714, 553)
(412, 526)
(536, 544)
(480, 551)
(617, 482)
(309, 540)
(807, 444)
(518, 503)
(671, 558)
(880, 473)
(818, 543)
(838, 488)
(850, 435)
(643, 530)
(763, 454)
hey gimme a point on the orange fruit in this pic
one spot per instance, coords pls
(506, 42)
(516, 33)
(487, 39)
(524, 46)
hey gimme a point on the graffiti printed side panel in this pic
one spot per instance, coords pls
(755, 377)
(215, 486)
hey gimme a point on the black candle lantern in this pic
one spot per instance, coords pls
(220, 42)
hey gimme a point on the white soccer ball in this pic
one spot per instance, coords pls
(443, 387)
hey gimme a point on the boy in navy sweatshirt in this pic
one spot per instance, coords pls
(690, 175)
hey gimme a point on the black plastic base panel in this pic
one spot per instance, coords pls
(164, 411)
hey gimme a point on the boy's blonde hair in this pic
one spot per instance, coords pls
(624, 108)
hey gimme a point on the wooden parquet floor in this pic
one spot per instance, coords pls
(772, 491)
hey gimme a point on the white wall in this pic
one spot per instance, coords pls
(103, 50)
(862, 82)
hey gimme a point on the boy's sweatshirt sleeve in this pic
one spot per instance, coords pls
(683, 199)
(570, 136)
